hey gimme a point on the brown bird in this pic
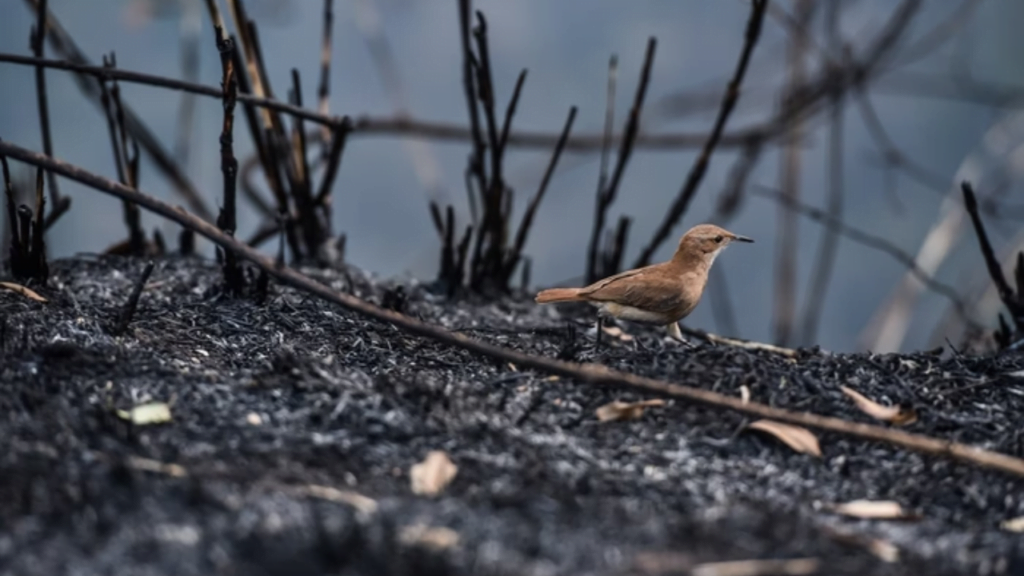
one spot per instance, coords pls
(661, 294)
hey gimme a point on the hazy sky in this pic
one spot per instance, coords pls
(381, 202)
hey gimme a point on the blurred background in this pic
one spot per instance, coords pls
(940, 105)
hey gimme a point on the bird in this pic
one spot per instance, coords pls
(659, 294)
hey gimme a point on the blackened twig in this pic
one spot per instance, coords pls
(606, 146)
(531, 209)
(323, 92)
(510, 111)
(469, 87)
(226, 220)
(729, 99)
(62, 42)
(128, 312)
(606, 195)
(38, 46)
(1011, 300)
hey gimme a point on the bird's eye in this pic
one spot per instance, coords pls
(718, 239)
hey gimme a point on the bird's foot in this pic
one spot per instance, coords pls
(677, 335)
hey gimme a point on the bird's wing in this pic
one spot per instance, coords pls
(644, 290)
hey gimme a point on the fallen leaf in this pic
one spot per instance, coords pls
(1013, 525)
(430, 476)
(876, 509)
(361, 503)
(884, 550)
(797, 438)
(149, 413)
(26, 292)
(893, 414)
(149, 465)
(434, 537)
(617, 410)
(773, 566)
(616, 332)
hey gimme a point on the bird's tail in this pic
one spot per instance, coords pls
(558, 295)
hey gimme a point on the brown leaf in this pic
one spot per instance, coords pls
(616, 332)
(875, 509)
(433, 537)
(361, 503)
(797, 438)
(617, 410)
(893, 414)
(31, 294)
(1013, 525)
(149, 413)
(433, 474)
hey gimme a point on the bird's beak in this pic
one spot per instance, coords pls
(742, 239)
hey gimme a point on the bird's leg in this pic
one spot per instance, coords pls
(674, 332)
(597, 335)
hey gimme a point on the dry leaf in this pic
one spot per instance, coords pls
(26, 292)
(877, 509)
(892, 414)
(773, 566)
(1013, 525)
(149, 465)
(434, 537)
(797, 438)
(430, 476)
(361, 503)
(150, 413)
(884, 550)
(616, 332)
(617, 410)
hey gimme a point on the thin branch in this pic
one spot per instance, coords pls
(425, 129)
(531, 209)
(606, 195)
(865, 239)
(588, 373)
(1006, 294)
(38, 45)
(323, 92)
(729, 99)
(830, 243)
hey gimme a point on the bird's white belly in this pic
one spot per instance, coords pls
(634, 314)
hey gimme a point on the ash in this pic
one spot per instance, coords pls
(277, 406)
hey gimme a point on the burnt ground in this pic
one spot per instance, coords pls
(268, 400)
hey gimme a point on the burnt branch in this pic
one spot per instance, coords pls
(1014, 301)
(531, 209)
(63, 44)
(729, 99)
(234, 281)
(606, 194)
(128, 312)
(27, 250)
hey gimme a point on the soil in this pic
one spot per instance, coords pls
(295, 423)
